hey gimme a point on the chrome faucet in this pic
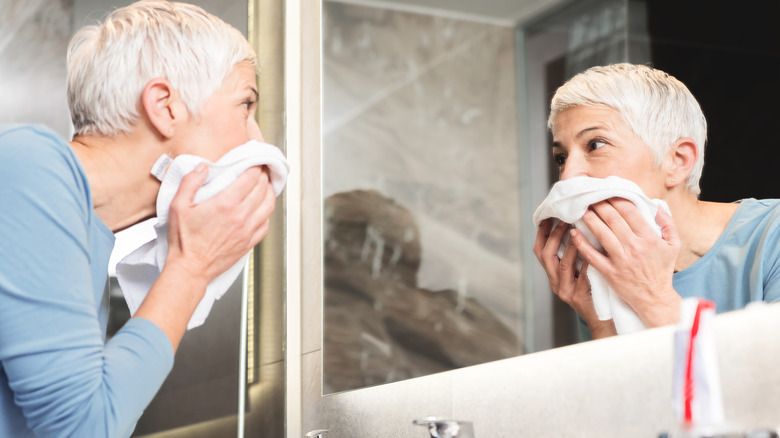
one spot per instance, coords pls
(316, 433)
(439, 428)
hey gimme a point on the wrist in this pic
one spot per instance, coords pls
(185, 271)
(661, 312)
(601, 329)
(172, 300)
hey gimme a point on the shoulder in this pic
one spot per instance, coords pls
(756, 227)
(33, 156)
(39, 171)
(755, 212)
(31, 143)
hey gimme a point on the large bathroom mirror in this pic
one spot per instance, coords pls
(228, 376)
(435, 154)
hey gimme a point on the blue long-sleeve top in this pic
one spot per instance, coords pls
(59, 376)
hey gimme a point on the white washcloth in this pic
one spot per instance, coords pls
(139, 270)
(567, 201)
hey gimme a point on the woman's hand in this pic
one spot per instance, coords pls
(638, 264)
(204, 240)
(209, 237)
(572, 287)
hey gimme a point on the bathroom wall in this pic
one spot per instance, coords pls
(33, 38)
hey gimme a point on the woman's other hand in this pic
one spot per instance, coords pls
(638, 263)
(571, 286)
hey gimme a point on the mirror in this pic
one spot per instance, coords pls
(423, 194)
(228, 376)
(435, 155)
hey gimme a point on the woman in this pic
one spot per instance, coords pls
(643, 125)
(155, 78)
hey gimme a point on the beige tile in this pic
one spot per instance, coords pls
(311, 392)
(311, 214)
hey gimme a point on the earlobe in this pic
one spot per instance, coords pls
(158, 100)
(682, 155)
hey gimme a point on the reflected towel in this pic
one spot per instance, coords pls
(139, 270)
(567, 201)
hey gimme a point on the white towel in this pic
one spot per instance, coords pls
(567, 201)
(139, 270)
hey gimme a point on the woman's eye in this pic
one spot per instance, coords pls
(595, 144)
(560, 159)
(249, 104)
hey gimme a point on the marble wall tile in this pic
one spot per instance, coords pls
(34, 37)
(422, 110)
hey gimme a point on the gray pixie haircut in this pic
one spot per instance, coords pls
(657, 107)
(110, 63)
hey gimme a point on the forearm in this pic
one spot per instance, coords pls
(172, 300)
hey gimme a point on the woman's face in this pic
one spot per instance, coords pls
(226, 119)
(595, 142)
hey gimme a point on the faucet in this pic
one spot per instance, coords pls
(439, 428)
(320, 433)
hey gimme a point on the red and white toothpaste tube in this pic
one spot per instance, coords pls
(697, 394)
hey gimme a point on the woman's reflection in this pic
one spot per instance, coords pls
(643, 125)
(380, 326)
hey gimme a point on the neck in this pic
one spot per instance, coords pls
(699, 224)
(124, 192)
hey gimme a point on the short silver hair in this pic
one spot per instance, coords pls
(110, 63)
(657, 107)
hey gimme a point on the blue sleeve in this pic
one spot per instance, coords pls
(64, 378)
(771, 257)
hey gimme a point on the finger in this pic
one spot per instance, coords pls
(550, 244)
(583, 275)
(590, 255)
(603, 232)
(632, 217)
(553, 244)
(261, 208)
(568, 264)
(582, 287)
(668, 228)
(244, 184)
(542, 234)
(610, 216)
(567, 272)
(190, 184)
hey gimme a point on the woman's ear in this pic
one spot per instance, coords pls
(162, 106)
(681, 159)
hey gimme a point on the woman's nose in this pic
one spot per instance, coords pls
(574, 166)
(254, 130)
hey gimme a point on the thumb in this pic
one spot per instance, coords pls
(191, 182)
(668, 229)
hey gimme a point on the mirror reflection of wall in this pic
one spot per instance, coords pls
(422, 195)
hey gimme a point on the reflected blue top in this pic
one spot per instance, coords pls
(744, 263)
(59, 377)
(741, 267)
